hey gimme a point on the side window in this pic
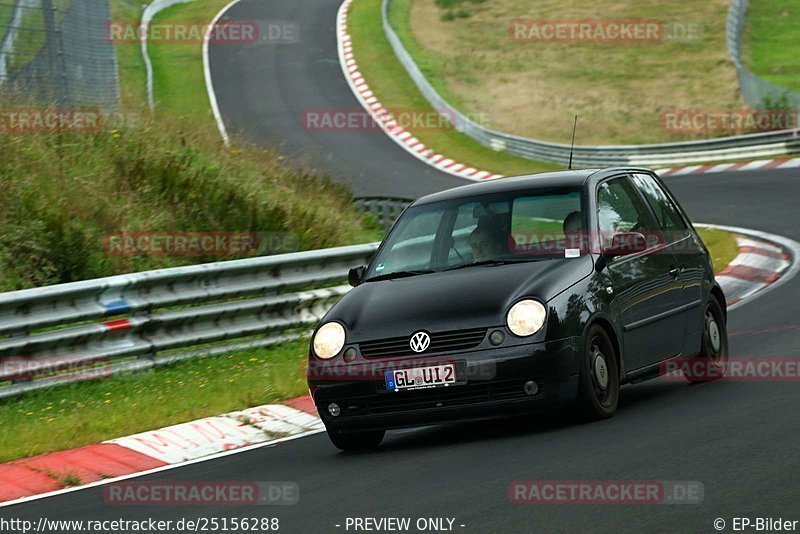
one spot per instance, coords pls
(465, 224)
(619, 209)
(668, 217)
(414, 243)
(543, 216)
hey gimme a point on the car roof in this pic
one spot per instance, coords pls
(566, 178)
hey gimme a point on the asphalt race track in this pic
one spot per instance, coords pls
(264, 90)
(740, 439)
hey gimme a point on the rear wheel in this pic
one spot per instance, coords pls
(598, 384)
(712, 362)
(356, 441)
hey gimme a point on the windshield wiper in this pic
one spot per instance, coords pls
(397, 274)
(489, 262)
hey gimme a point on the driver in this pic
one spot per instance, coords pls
(486, 241)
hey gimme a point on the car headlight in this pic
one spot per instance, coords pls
(526, 317)
(329, 340)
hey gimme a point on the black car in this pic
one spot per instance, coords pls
(514, 295)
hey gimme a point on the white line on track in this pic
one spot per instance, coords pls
(212, 96)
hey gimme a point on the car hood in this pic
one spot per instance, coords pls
(472, 297)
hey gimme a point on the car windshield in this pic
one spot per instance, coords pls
(518, 226)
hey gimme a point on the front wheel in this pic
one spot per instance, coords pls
(355, 441)
(712, 362)
(598, 384)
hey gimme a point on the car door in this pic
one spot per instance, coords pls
(646, 286)
(689, 251)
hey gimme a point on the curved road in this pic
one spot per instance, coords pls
(264, 90)
(739, 439)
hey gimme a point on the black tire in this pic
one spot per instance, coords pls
(356, 441)
(598, 382)
(712, 362)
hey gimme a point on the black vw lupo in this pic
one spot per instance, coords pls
(516, 294)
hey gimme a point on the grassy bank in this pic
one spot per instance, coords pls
(395, 90)
(79, 414)
(533, 88)
(179, 83)
(772, 41)
(130, 64)
(168, 172)
(721, 245)
(63, 193)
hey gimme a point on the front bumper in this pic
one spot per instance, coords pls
(490, 384)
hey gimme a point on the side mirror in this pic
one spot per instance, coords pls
(625, 243)
(356, 275)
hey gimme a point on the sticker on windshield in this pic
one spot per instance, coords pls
(380, 267)
(572, 253)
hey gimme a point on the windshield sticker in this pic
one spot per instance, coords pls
(380, 267)
(572, 253)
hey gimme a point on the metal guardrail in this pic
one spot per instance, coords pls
(725, 148)
(90, 329)
(756, 91)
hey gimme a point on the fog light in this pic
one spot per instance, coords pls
(497, 337)
(350, 354)
(334, 409)
(530, 388)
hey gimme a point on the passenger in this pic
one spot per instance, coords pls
(573, 230)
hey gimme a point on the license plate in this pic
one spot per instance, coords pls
(421, 377)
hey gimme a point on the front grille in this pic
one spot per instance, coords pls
(440, 342)
(458, 395)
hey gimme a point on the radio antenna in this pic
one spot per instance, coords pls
(572, 147)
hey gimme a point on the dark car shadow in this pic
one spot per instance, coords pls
(635, 400)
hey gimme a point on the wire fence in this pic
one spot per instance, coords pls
(58, 52)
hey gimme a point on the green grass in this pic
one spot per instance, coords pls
(534, 89)
(63, 193)
(178, 80)
(132, 77)
(162, 172)
(772, 41)
(721, 245)
(395, 90)
(79, 414)
(400, 19)
(6, 12)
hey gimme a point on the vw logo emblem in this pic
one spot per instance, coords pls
(420, 342)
